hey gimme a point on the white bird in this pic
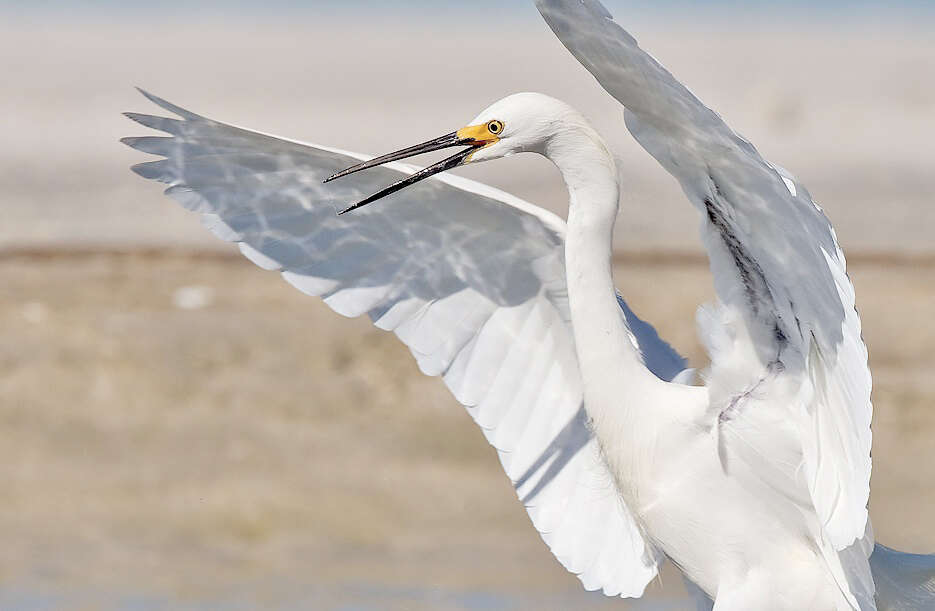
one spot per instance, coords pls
(755, 484)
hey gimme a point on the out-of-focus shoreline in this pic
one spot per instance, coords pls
(227, 253)
(847, 109)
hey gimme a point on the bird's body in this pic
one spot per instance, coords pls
(754, 484)
(726, 528)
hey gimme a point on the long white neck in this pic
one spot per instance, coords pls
(618, 386)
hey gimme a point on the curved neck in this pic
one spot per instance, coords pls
(615, 377)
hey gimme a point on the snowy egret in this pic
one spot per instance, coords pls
(755, 484)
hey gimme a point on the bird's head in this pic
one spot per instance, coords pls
(522, 122)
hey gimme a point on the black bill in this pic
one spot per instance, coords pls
(447, 141)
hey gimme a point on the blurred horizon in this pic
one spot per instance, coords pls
(441, 9)
(845, 108)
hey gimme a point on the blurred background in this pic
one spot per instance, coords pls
(180, 430)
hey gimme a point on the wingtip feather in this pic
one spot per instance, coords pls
(165, 104)
(154, 170)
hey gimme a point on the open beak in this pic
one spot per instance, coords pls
(464, 137)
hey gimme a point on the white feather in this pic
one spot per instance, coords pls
(470, 278)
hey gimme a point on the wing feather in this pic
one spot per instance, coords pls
(774, 255)
(471, 279)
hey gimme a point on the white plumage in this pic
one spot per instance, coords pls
(471, 279)
(756, 484)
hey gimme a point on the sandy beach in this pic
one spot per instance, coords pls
(192, 432)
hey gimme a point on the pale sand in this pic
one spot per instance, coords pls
(263, 452)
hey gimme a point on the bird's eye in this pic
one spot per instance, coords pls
(495, 127)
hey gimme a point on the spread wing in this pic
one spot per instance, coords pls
(471, 279)
(778, 269)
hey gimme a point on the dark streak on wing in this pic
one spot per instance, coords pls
(736, 404)
(751, 275)
(773, 369)
(780, 334)
(758, 296)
